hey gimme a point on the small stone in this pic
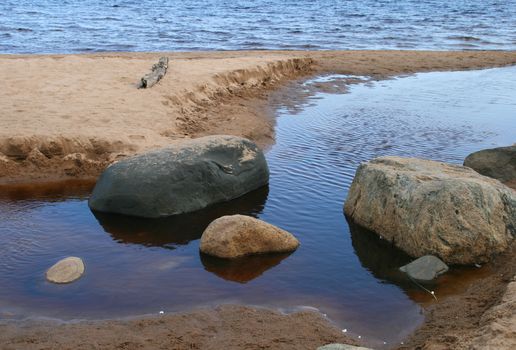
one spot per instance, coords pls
(337, 346)
(66, 270)
(424, 269)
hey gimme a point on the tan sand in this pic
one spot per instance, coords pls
(68, 116)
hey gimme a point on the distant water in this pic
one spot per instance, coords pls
(69, 26)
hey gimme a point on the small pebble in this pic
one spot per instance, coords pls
(161, 312)
(344, 330)
(66, 270)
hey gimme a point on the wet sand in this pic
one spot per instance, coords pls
(224, 327)
(482, 317)
(69, 116)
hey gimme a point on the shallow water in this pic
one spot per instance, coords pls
(136, 266)
(64, 26)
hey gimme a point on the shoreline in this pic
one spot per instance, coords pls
(204, 93)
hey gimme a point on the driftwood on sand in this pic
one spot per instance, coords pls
(158, 71)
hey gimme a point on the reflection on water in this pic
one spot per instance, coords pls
(136, 266)
(244, 269)
(47, 191)
(179, 229)
(377, 255)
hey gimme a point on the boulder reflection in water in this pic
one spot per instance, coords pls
(178, 229)
(244, 269)
(378, 255)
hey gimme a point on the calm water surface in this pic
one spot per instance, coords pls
(136, 266)
(64, 26)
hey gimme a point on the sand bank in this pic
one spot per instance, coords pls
(69, 116)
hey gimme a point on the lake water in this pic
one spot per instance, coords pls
(137, 266)
(65, 26)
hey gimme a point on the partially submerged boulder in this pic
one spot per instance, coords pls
(498, 163)
(425, 268)
(181, 178)
(432, 208)
(239, 235)
(66, 270)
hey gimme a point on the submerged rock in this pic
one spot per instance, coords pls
(181, 178)
(498, 163)
(425, 269)
(337, 346)
(432, 208)
(66, 270)
(238, 235)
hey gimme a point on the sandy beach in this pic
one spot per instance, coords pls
(66, 117)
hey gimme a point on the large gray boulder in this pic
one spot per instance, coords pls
(433, 208)
(234, 236)
(181, 178)
(498, 163)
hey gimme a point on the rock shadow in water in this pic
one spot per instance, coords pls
(383, 260)
(178, 229)
(244, 269)
(379, 256)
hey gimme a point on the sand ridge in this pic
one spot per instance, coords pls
(71, 116)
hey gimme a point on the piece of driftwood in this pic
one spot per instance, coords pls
(158, 71)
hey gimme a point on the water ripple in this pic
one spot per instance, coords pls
(259, 24)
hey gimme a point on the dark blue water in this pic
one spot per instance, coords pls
(64, 26)
(136, 266)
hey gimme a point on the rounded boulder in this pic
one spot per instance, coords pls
(431, 208)
(498, 163)
(239, 235)
(181, 178)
